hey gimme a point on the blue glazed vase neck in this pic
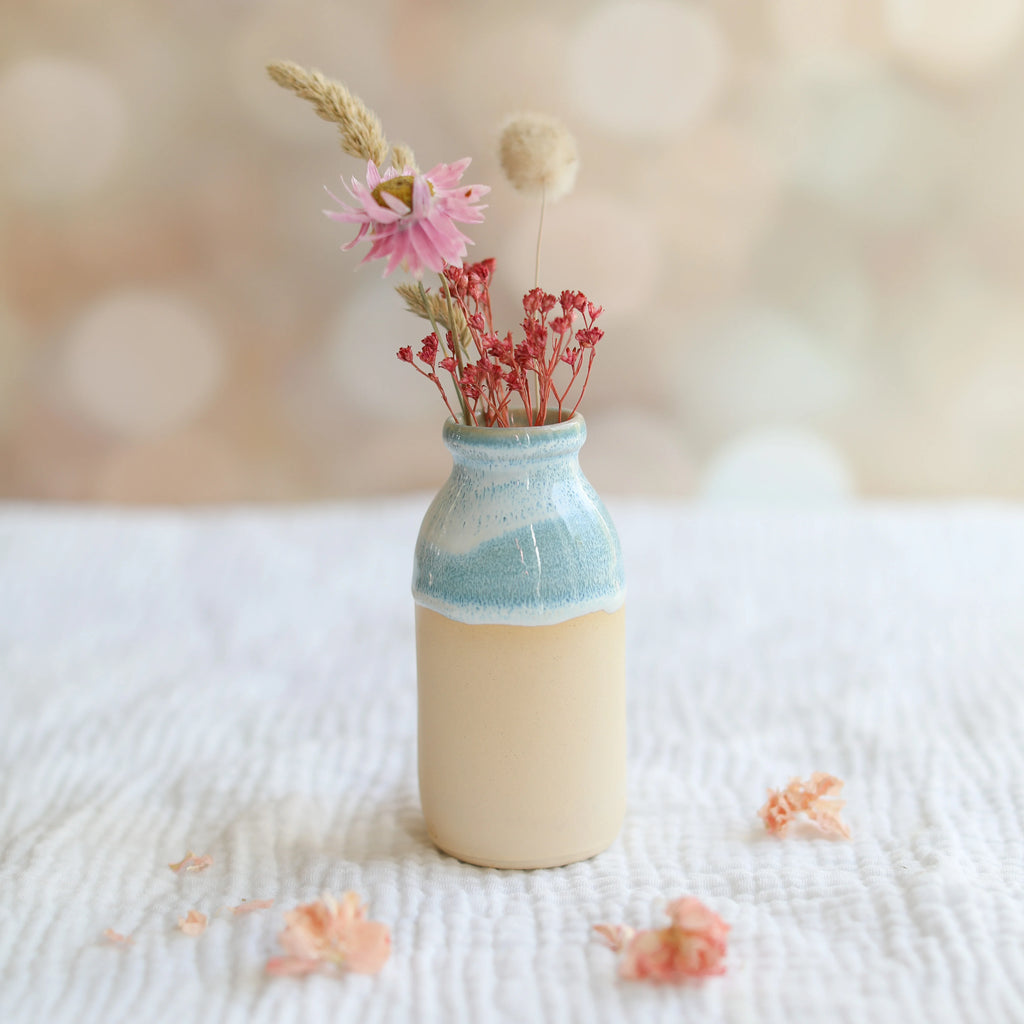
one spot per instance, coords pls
(503, 447)
(517, 535)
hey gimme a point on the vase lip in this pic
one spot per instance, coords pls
(567, 428)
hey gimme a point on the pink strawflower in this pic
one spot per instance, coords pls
(411, 217)
(692, 946)
(328, 933)
(816, 798)
(117, 938)
(193, 924)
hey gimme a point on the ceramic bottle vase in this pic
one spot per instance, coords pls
(520, 641)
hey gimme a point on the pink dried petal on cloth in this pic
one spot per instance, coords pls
(283, 966)
(617, 936)
(330, 933)
(817, 798)
(248, 906)
(824, 809)
(692, 946)
(117, 938)
(193, 924)
(778, 812)
(190, 862)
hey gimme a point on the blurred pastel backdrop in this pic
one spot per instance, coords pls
(805, 219)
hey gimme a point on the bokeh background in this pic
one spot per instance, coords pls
(805, 219)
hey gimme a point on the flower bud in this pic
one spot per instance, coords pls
(538, 155)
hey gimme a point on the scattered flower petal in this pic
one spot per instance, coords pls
(692, 946)
(116, 937)
(283, 966)
(248, 906)
(617, 936)
(190, 862)
(193, 924)
(815, 798)
(331, 933)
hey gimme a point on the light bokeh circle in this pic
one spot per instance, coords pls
(650, 68)
(63, 127)
(756, 363)
(142, 362)
(360, 353)
(954, 38)
(779, 465)
(875, 144)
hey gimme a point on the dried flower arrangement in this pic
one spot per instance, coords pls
(409, 216)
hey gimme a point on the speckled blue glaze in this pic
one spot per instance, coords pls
(517, 535)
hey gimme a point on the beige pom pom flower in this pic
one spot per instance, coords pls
(538, 155)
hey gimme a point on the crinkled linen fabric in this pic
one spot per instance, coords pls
(242, 683)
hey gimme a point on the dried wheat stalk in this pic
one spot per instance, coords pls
(438, 309)
(361, 132)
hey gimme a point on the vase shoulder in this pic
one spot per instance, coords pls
(517, 535)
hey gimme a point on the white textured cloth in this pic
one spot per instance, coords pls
(242, 684)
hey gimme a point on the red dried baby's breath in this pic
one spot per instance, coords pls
(545, 373)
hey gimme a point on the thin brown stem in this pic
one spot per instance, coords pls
(540, 233)
(586, 380)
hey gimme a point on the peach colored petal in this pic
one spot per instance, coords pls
(193, 924)
(248, 906)
(283, 966)
(190, 862)
(617, 936)
(332, 932)
(690, 915)
(117, 937)
(825, 814)
(692, 946)
(816, 799)
(777, 813)
(368, 947)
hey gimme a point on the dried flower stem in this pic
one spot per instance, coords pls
(454, 344)
(361, 133)
(536, 272)
(435, 308)
(450, 309)
(540, 232)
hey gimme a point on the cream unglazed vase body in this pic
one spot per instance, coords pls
(520, 643)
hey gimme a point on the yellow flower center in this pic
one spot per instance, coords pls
(400, 188)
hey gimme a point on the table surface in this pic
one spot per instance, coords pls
(242, 683)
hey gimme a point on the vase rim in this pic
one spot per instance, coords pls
(569, 426)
